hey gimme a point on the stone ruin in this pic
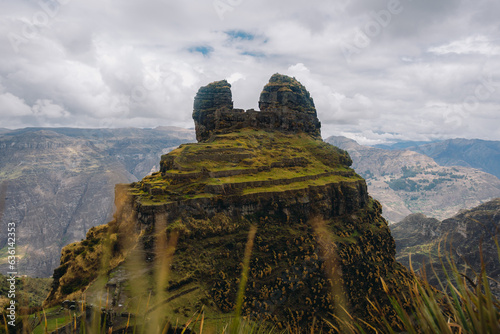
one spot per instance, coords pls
(285, 105)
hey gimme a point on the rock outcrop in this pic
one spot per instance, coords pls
(283, 93)
(209, 103)
(284, 102)
(321, 243)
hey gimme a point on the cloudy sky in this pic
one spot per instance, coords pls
(378, 70)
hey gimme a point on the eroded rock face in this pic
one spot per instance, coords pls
(285, 105)
(59, 182)
(214, 97)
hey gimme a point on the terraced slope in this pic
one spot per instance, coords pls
(248, 163)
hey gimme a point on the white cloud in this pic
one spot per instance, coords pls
(13, 105)
(133, 63)
(46, 108)
(478, 44)
(235, 77)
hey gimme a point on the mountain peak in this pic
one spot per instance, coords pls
(318, 229)
(285, 105)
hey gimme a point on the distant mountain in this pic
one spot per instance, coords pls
(4, 130)
(58, 182)
(402, 145)
(421, 237)
(408, 182)
(476, 153)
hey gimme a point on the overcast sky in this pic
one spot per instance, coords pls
(378, 70)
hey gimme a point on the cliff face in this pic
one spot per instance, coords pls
(321, 242)
(286, 94)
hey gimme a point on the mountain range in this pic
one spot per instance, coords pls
(476, 153)
(261, 197)
(59, 182)
(407, 182)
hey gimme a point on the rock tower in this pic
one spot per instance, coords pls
(285, 105)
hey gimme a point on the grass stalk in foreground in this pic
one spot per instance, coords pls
(334, 272)
(464, 305)
(468, 307)
(243, 281)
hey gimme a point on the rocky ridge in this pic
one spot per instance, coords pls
(321, 242)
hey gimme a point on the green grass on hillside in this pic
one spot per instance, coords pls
(269, 157)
